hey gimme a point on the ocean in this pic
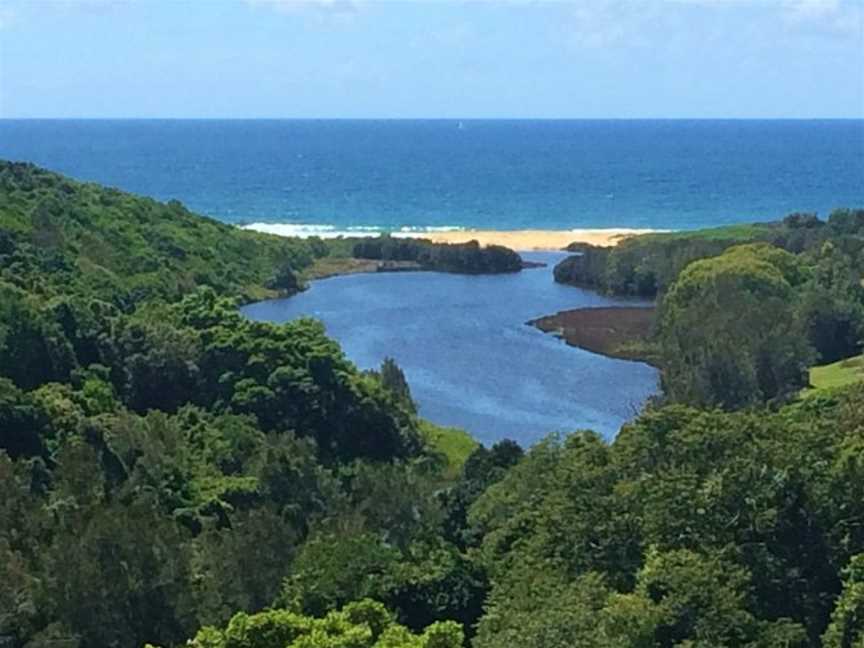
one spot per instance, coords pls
(469, 357)
(331, 176)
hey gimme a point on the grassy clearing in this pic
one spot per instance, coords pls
(453, 443)
(837, 374)
(740, 232)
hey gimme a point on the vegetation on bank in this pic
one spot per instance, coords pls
(352, 255)
(465, 258)
(739, 324)
(335, 266)
(646, 265)
(172, 471)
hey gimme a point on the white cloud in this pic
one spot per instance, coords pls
(331, 7)
(605, 23)
(28, 10)
(86, 5)
(7, 17)
(812, 9)
(596, 24)
(831, 16)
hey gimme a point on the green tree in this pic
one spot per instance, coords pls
(831, 306)
(393, 380)
(332, 570)
(33, 350)
(847, 621)
(21, 425)
(728, 331)
(363, 624)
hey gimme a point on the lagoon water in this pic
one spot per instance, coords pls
(469, 357)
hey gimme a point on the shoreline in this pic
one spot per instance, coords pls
(538, 240)
(328, 267)
(527, 240)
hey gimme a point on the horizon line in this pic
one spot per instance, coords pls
(466, 119)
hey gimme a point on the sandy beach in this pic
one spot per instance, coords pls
(519, 240)
(527, 240)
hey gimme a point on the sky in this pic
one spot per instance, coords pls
(432, 59)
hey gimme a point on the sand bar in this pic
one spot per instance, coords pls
(526, 240)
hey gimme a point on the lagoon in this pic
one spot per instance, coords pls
(468, 355)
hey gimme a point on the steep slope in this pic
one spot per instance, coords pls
(59, 236)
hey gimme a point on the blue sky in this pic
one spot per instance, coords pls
(438, 58)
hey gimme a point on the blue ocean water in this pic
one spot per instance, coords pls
(469, 357)
(480, 174)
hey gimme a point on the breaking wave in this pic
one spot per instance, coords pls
(306, 230)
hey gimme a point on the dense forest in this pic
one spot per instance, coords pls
(743, 311)
(173, 472)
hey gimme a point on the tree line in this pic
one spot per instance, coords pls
(738, 323)
(465, 258)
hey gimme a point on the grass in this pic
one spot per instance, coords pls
(743, 232)
(837, 374)
(455, 444)
(332, 266)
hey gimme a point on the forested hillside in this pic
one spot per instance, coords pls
(58, 236)
(173, 472)
(694, 528)
(164, 460)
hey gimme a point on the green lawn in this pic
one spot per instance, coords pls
(838, 374)
(453, 443)
(743, 232)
